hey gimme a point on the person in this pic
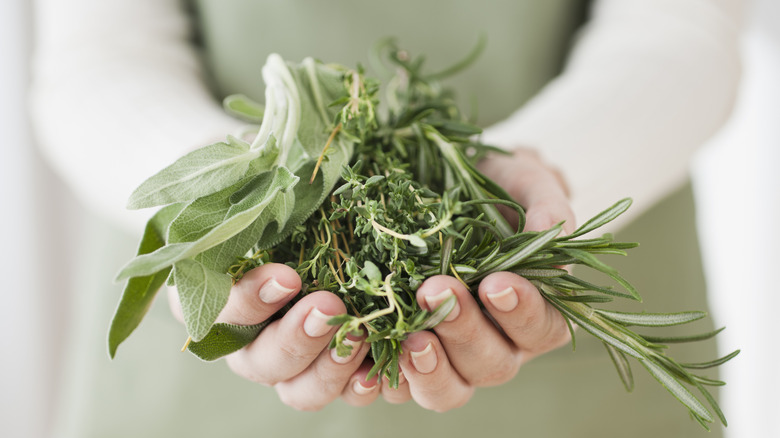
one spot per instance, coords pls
(644, 83)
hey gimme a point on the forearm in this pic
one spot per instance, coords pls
(646, 84)
(129, 70)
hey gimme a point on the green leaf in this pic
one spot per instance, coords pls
(476, 184)
(711, 364)
(371, 271)
(512, 258)
(585, 298)
(541, 272)
(244, 108)
(236, 217)
(587, 259)
(441, 312)
(203, 294)
(574, 311)
(681, 339)
(224, 339)
(602, 218)
(199, 173)
(652, 319)
(677, 389)
(417, 241)
(713, 403)
(622, 366)
(139, 292)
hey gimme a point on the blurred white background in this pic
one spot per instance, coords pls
(736, 183)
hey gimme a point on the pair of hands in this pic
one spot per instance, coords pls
(440, 369)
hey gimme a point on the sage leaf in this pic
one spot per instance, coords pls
(139, 292)
(243, 107)
(199, 173)
(224, 339)
(203, 293)
(237, 217)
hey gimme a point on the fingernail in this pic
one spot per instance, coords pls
(424, 361)
(316, 323)
(355, 348)
(505, 301)
(433, 302)
(362, 390)
(272, 292)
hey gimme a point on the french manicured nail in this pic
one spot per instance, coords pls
(505, 301)
(424, 361)
(355, 348)
(316, 323)
(433, 302)
(272, 292)
(363, 390)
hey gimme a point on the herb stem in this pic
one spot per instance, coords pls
(324, 149)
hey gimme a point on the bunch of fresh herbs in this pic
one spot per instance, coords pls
(367, 207)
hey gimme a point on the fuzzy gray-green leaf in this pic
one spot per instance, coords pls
(243, 107)
(224, 339)
(199, 173)
(236, 218)
(139, 292)
(203, 294)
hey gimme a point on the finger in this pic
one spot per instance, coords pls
(537, 186)
(523, 314)
(175, 304)
(433, 382)
(260, 293)
(397, 395)
(360, 391)
(288, 346)
(324, 380)
(474, 345)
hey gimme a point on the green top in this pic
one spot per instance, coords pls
(526, 41)
(153, 390)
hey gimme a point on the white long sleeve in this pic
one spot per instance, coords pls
(647, 82)
(129, 70)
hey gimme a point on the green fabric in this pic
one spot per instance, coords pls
(153, 390)
(526, 40)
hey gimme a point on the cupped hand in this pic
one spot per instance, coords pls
(440, 369)
(472, 348)
(291, 354)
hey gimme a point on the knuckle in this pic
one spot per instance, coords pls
(294, 400)
(238, 364)
(446, 403)
(294, 352)
(497, 374)
(462, 339)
